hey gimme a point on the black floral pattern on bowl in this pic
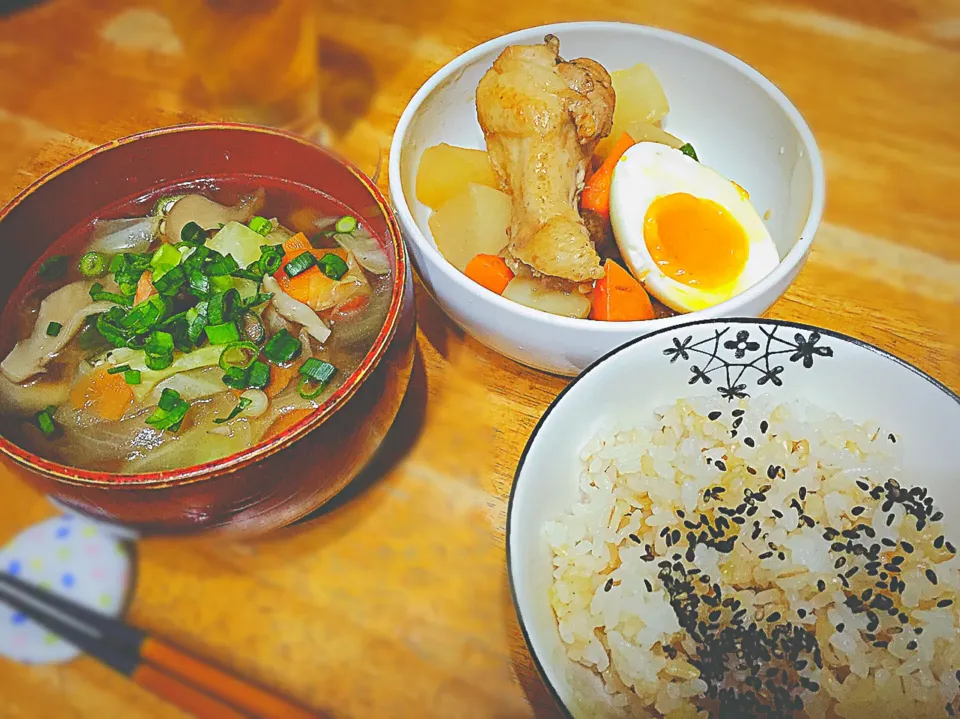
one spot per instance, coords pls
(734, 358)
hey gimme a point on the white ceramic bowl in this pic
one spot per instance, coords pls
(845, 375)
(740, 123)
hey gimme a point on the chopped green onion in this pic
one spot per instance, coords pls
(198, 284)
(271, 257)
(118, 369)
(196, 318)
(257, 299)
(261, 225)
(92, 264)
(315, 375)
(45, 421)
(127, 269)
(221, 284)
(253, 327)
(193, 234)
(53, 329)
(146, 315)
(241, 405)
(238, 354)
(97, 294)
(222, 334)
(108, 327)
(158, 350)
(258, 376)
(163, 260)
(332, 266)
(132, 376)
(235, 378)
(283, 347)
(688, 150)
(171, 409)
(346, 224)
(299, 264)
(53, 268)
(170, 282)
(318, 370)
(221, 266)
(221, 306)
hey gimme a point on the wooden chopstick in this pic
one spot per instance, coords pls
(169, 672)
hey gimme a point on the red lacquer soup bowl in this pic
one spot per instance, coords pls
(289, 474)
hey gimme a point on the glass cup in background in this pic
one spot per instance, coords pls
(255, 60)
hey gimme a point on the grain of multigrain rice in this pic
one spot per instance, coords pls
(645, 609)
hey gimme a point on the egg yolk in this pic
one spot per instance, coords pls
(695, 241)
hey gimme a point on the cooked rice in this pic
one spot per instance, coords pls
(679, 591)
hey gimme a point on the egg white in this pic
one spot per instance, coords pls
(649, 170)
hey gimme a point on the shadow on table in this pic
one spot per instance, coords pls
(541, 702)
(396, 445)
(9, 7)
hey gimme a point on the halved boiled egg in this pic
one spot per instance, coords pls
(688, 234)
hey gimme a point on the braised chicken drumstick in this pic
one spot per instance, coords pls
(542, 117)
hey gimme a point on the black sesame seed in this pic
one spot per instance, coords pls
(863, 485)
(737, 413)
(720, 465)
(821, 585)
(944, 603)
(646, 583)
(776, 513)
(803, 493)
(857, 511)
(880, 644)
(635, 538)
(907, 547)
(841, 626)
(890, 518)
(808, 521)
(715, 615)
(936, 517)
(840, 562)
(609, 585)
(775, 617)
(887, 542)
(681, 513)
(733, 433)
(749, 442)
(675, 536)
(850, 572)
(714, 416)
(772, 471)
(838, 546)
(932, 576)
(801, 613)
(870, 532)
(950, 548)
(897, 559)
(938, 542)
(751, 470)
(764, 426)
(849, 534)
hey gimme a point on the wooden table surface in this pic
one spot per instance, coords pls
(395, 602)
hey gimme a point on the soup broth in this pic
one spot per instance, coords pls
(189, 324)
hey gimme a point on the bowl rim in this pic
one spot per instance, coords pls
(511, 502)
(261, 450)
(791, 262)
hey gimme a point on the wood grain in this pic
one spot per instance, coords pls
(394, 602)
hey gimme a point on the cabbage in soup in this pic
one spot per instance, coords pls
(190, 328)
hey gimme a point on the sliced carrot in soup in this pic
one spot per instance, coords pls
(106, 395)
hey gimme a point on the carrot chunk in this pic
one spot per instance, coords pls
(106, 395)
(489, 271)
(618, 297)
(596, 193)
